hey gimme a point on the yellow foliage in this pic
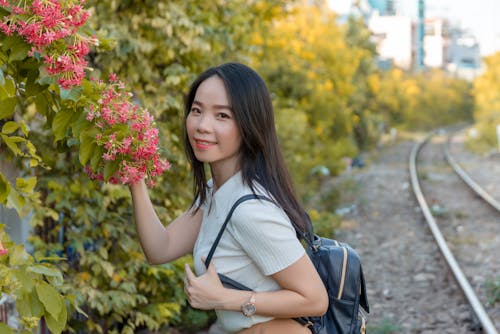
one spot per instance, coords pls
(256, 39)
(411, 88)
(374, 83)
(84, 276)
(116, 278)
(319, 129)
(328, 85)
(396, 74)
(487, 91)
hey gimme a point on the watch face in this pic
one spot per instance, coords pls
(248, 309)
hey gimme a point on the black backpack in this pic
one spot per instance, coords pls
(339, 267)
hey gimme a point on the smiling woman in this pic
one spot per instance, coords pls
(229, 127)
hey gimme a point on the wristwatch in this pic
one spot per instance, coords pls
(248, 309)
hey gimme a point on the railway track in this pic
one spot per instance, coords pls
(476, 304)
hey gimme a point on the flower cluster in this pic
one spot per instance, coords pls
(51, 27)
(3, 250)
(127, 137)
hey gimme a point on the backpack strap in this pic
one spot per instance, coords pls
(226, 281)
(363, 298)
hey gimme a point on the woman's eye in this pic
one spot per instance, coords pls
(195, 110)
(223, 115)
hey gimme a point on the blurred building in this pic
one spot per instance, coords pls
(392, 34)
(463, 56)
(396, 39)
(450, 48)
(435, 40)
(384, 7)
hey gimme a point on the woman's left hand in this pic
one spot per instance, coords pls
(205, 291)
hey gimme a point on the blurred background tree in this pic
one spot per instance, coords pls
(487, 106)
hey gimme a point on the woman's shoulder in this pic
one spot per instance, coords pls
(259, 210)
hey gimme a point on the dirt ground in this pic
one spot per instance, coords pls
(409, 289)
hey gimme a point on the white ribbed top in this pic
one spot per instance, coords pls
(259, 241)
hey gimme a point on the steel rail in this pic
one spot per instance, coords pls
(477, 307)
(467, 179)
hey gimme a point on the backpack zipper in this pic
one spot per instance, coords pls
(342, 277)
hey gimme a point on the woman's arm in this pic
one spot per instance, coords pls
(302, 293)
(163, 244)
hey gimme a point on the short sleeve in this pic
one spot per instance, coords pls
(265, 233)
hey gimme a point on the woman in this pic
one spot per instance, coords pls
(229, 126)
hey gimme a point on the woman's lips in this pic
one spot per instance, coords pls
(203, 144)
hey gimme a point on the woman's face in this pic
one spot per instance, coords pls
(211, 127)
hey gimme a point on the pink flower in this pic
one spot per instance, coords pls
(3, 250)
(44, 22)
(113, 77)
(134, 146)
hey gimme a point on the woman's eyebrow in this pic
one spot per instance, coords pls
(216, 106)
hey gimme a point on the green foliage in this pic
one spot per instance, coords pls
(105, 264)
(324, 222)
(386, 326)
(192, 321)
(36, 286)
(493, 290)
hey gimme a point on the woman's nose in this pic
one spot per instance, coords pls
(204, 123)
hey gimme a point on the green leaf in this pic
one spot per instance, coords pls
(87, 144)
(16, 201)
(47, 80)
(4, 188)
(24, 128)
(18, 48)
(56, 325)
(35, 304)
(18, 256)
(80, 124)
(42, 104)
(108, 268)
(11, 144)
(26, 185)
(8, 89)
(96, 159)
(110, 168)
(72, 94)
(2, 78)
(9, 127)
(26, 281)
(7, 107)
(32, 86)
(103, 252)
(23, 304)
(44, 270)
(50, 298)
(61, 123)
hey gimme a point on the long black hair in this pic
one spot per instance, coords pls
(261, 159)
